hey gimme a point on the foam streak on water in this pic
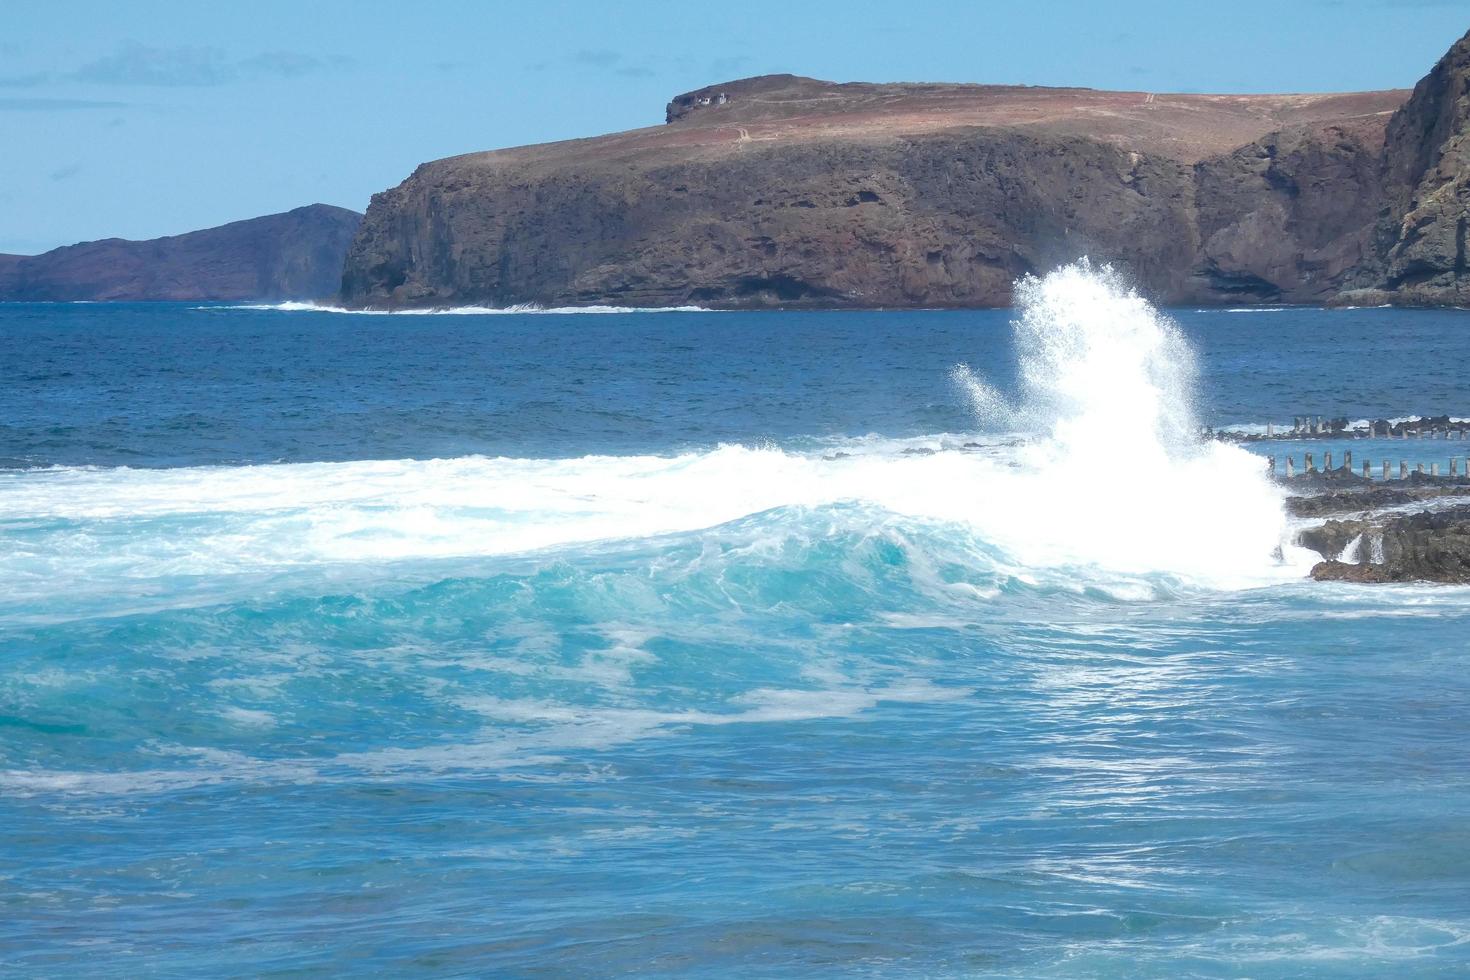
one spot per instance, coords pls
(518, 309)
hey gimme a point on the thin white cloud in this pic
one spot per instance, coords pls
(56, 105)
(142, 64)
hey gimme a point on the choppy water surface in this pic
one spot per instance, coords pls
(713, 644)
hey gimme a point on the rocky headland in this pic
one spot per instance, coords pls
(296, 255)
(793, 192)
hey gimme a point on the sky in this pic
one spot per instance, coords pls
(152, 117)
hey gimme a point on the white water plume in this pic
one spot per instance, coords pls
(1115, 474)
(1096, 361)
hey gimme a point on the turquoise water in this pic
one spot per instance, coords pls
(710, 645)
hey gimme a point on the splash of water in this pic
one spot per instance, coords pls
(1115, 474)
(1096, 362)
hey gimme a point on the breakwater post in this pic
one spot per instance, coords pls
(1386, 471)
(1347, 461)
(1403, 470)
(1326, 462)
(1309, 465)
(1434, 469)
(1290, 467)
(1367, 469)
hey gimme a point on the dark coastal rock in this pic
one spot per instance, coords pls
(1415, 426)
(292, 256)
(1340, 571)
(1350, 501)
(1419, 254)
(1331, 538)
(787, 191)
(1431, 546)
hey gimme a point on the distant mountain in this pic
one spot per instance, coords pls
(790, 191)
(296, 255)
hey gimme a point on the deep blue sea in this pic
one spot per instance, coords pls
(678, 644)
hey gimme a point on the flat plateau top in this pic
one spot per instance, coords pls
(790, 109)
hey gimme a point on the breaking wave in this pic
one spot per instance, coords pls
(1106, 483)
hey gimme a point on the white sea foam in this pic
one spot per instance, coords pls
(519, 308)
(1242, 309)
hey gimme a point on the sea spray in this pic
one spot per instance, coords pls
(1097, 363)
(1114, 473)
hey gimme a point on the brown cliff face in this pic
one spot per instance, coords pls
(1289, 217)
(1421, 256)
(946, 220)
(295, 255)
(785, 191)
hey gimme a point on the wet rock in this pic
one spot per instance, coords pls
(1431, 546)
(1338, 571)
(1319, 481)
(1369, 499)
(1331, 538)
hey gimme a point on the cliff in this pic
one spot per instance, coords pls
(1419, 256)
(295, 255)
(788, 191)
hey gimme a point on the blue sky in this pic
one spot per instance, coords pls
(151, 117)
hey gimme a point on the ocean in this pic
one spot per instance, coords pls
(682, 644)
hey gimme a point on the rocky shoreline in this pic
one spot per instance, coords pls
(1412, 530)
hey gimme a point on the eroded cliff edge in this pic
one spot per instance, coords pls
(786, 191)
